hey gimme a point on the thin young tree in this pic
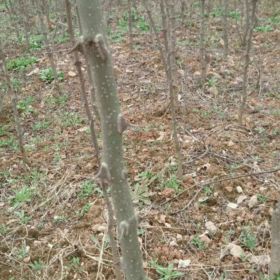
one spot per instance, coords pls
(202, 43)
(225, 28)
(168, 71)
(24, 9)
(130, 24)
(113, 124)
(82, 82)
(247, 22)
(246, 63)
(274, 266)
(40, 10)
(12, 12)
(13, 97)
(89, 72)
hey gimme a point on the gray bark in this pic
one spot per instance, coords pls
(113, 124)
(202, 44)
(225, 28)
(274, 266)
(246, 64)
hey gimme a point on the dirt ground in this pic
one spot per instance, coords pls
(53, 216)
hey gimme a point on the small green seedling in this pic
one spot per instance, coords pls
(262, 198)
(23, 251)
(198, 243)
(20, 64)
(166, 272)
(87, 190)
(4, 229)
(22, 218)
(173, 183)
(59, 219)
(38, 126)
(37, 265)
(47, 76)
(248, 238)
(21, 196)
(75, 263)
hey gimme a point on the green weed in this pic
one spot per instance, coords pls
(140, 194)
(198, 243)
(36, 41)
(60, 39)
(23, 195)
(38, 126)
(22, 218)
(166, 272)
(9, 142)
(266, 28)
(75, 263)
(23, 251)
(87, 190)
(4, 129)
(21, 63)
(173, 183)
(4, 229)
(59, 219)
(46, 75)
(37, 265)
(248, 238)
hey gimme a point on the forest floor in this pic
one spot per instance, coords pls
(214, 223)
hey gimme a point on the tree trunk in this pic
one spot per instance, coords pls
(81, 78)
(113, 124)
(246, 64)
(15, 110)
(202, 47)
(225, 28)
(274, 266)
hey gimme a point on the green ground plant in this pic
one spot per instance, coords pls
(11, 143)
(46, 75)
(166, 273)
(22, 218)
(87, 189)
(248, 238)
(4, 229)
(265, 28)
(20, 64)
(40, 125)
(37, 265)
(36, 41)
(21, 196)
(198, 243)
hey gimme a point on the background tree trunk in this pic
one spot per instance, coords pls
(274, 266)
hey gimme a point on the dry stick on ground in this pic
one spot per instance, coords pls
(167, 68)
(246, 64)
(202, 43)
(274, 266)
(82, 82)
(15, 111)
(113, 124)
(225, 28)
